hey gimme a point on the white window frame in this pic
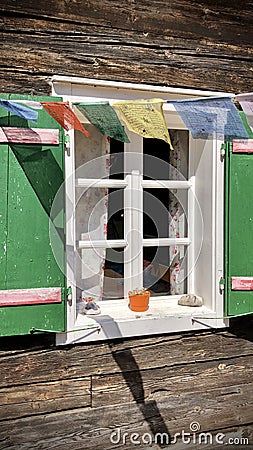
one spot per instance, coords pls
(116, 320)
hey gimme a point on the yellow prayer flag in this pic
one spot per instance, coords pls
(144, 117)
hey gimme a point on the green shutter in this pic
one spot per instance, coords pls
(239, 232)
(31, 175)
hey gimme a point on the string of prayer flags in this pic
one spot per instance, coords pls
(144, 117)
(104, 118)
(206, 116)
(19, 110)
(246, 102)
(64, 115)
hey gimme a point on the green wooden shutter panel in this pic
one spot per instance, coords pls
(239, 231)
(30, 176)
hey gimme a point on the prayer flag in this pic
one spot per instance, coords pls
(30, 103)
(19, 110)
(144, 117)
(206, 116)
(64, 115)
(104, 118)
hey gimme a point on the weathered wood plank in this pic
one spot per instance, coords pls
(112, 46)
(92, 427)
(152, 384)
(108, 358)
(67, 33)
(62, 34)
(150, 42)
(24, 83)
(213, 20)
(123, 62)
(42, 398)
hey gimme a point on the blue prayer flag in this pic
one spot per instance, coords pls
(19, 110)
(206, 116)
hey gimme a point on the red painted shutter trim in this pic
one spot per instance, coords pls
(22, 297)
(243, 146)
(242, 283)
(29, 135)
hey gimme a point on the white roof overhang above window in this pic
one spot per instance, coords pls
(77, 87)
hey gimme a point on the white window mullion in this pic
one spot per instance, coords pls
(133, 220)
(133, 155)
(165, 242)
(96, 183)
(166, 184)
(127, 230)
(102, 243)
(133, 210)
(191, 217)
(137, 230)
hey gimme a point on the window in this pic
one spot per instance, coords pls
(140, 214)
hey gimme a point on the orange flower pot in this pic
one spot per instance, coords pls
(139, 302)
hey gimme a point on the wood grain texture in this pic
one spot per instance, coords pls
(191, 44)
(91, 428)
(157, 16)
(74, 397)
(42, 398)
(85, 360)
(154, 384)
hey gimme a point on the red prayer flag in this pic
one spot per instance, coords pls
(64, 115)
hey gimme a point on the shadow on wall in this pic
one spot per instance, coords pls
(41, 170)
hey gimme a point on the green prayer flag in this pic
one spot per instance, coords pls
(104, 118)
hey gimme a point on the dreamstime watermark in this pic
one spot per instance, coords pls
(192, 436)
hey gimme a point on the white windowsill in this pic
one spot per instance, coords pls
(159, 306)
(116, 320)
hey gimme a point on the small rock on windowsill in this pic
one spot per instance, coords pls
(190, 300)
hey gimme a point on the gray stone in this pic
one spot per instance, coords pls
(190, 300)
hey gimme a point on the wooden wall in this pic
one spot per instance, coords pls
(74, 397)
(187, 43)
